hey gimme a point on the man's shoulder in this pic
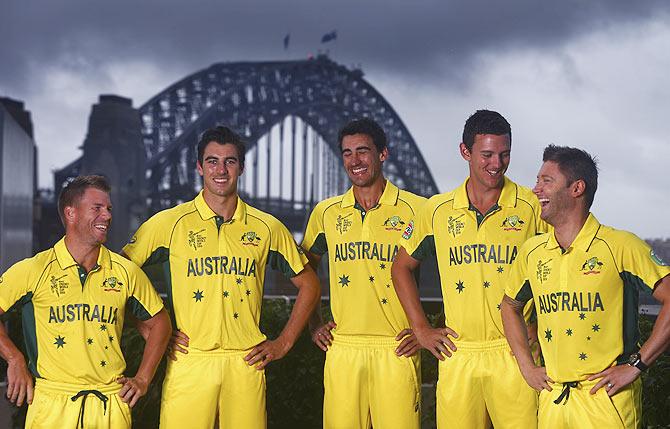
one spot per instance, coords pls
(323, 205)
(39, 260)
(535, 242)
(119, 261)
(617, 237)
(173, 214)
(526, 195)
(413, 200)
(439, 200)
(257, 215)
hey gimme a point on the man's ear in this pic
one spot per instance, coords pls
(69, 214)
(383, 156)
(578, 188)
(465, 152)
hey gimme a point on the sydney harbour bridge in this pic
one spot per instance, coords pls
(289, 113)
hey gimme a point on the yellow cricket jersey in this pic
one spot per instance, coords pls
(72, 321)
(474, 253)
(586, 297)
(215, 269)
(361, 247)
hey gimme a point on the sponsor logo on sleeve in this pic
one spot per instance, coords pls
(654, 257)
(409, 229)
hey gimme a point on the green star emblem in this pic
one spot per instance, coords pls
(384, 301)
(583, 356)
(388, 286)
(547, 335)
(103, 327)
(500, 269)
(111, 338)
(344, 281)
(460, 286)
(60, 342)
(89, 341)
(371, 278)
(588, 338)
(498, 306)
(382, 266)
(596, 328)
(106, 347)
(103, 363)
(226, 294)
(582, 316)
(487, 285)
(248, 292)
(568, 332)
(235, 315)
(198, 295)
(238, 280)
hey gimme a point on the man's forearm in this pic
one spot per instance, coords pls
(516, 331)
(408, 294)
(305, 305)
(8, 349)
(159, 333)
(659, 339)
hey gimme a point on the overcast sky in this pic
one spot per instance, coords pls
(588, 74)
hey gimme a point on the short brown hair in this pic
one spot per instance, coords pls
(73, 191)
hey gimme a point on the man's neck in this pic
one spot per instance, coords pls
(369, 196)
(567, 229)
(222, 206)
(482, 198)
(85, 255)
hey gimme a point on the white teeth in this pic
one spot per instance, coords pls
(358, 170)
(101, 227)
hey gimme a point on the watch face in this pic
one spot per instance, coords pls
(633, 359)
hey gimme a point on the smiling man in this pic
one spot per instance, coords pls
(214, 250)
(73, 299)
(371, 374)
(585, 280)
(476, 231)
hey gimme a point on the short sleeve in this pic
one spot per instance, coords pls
(518, 286)
(144, 302)
(150, 243)
(314, 240)
(15, 284)
(418, 236)
(285, 254)
(638, 264)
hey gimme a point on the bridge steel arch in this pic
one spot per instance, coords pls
(252, 97)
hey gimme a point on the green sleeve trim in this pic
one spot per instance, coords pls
(160, 255)
(277, 261)
(425, 248)
(525, 294)
(632, 285)
(138, 309)
(320, 245)
(29, 331)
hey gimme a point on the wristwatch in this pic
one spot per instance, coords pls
(636, 360)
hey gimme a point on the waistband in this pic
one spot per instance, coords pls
(71, 388)
(365, 341)
(481, 346)
(215, 352)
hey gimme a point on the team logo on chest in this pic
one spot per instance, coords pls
(591, 266)
(112, 284)
(250, 239)
(342, 224)
(512, 223)
(58, 285)
(394, 223)
(196, 239)
(455, 226)
(543, 270)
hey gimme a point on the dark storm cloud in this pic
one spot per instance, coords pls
(421, 38)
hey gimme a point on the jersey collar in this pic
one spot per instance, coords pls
(207, 213)
(507, 198)
(389, 196)
(65, 259)
(585, 237)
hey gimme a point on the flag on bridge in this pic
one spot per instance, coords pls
(287, 39)
(329, 36)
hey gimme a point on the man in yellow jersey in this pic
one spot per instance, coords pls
(371, 374)
(73, 299)
(585, 280)
(215, 249)
(476, 231)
